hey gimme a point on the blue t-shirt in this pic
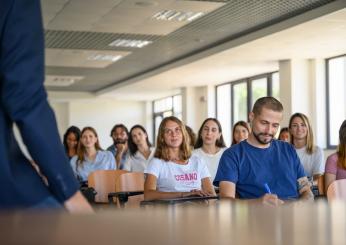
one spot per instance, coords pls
(250, 168)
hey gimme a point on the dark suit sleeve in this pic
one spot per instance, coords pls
(24, 97)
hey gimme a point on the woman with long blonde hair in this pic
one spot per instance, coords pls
(302, 138)
(173, 172)
(90, 156)
(336, 163)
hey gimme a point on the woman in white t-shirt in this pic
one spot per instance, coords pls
(210, 144)
(140, 150)
(301, 136)
(173, 173)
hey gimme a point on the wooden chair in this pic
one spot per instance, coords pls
(103, 181)
(129, 187)
(337, 190)
(320, 185)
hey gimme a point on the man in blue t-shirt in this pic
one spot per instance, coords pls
(261, 167)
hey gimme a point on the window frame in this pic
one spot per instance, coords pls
(248, 82)
(328, 116)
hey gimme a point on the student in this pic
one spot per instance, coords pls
(173, 172)
(302, 138)
(71, 139)
(24, 103)
(260, 167)
(140, 150)
(119, 148)
(90, 156)
(284, 134)
(336, 163)
(210, 144)
(241, 131)
(192, 136)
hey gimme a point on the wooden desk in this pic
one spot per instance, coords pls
(221, 223)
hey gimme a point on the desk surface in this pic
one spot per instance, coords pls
(220, 223)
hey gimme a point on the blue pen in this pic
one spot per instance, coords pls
(266, 186)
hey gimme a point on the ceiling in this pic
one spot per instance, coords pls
(225, 41)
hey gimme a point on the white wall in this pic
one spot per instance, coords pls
(101, 114)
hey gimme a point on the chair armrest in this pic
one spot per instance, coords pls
(123, 196)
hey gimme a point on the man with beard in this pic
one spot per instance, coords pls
(262, 168)
(119, 134)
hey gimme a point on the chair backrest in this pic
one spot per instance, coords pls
(337, 190)
(103, 181)
(132, 181)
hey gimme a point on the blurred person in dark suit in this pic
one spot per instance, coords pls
(24, 103)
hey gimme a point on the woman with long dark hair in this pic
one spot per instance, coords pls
(71, 140)
(210, 144)
(241, 131)
(140, 149)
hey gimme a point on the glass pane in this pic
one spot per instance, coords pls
(167, 114)
(276, 85)
(157, 122)
(223, 103)
(168, 104)
(240, 102)
(337, 91)
(258, 89)
(177, 108)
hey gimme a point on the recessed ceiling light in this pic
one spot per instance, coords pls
(128, 43)
(145, 4)
(104, 57)
(173, 15)
(61, 81)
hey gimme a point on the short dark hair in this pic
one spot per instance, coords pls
(267, 102)
(133, 148)
(120, 125)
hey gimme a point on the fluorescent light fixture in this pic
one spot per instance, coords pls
(173, 15)
(105, 57)
(61, 81)
(127, 43)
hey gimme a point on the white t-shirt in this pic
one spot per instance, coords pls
(137, 162)
(173, 177)
(211, 160)
(314, 163)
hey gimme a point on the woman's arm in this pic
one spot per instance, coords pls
(150, 192)
(207, 187)
(328, 179)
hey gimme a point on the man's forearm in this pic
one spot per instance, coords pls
(306, 195)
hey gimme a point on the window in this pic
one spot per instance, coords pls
(169, 106)
(336, 98)
(234, 100)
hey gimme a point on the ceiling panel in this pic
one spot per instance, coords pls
(172, 41)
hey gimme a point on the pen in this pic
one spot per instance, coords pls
(266, 187)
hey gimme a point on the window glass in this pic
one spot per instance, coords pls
(240, 109)
(258, 89)
(336, 97)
